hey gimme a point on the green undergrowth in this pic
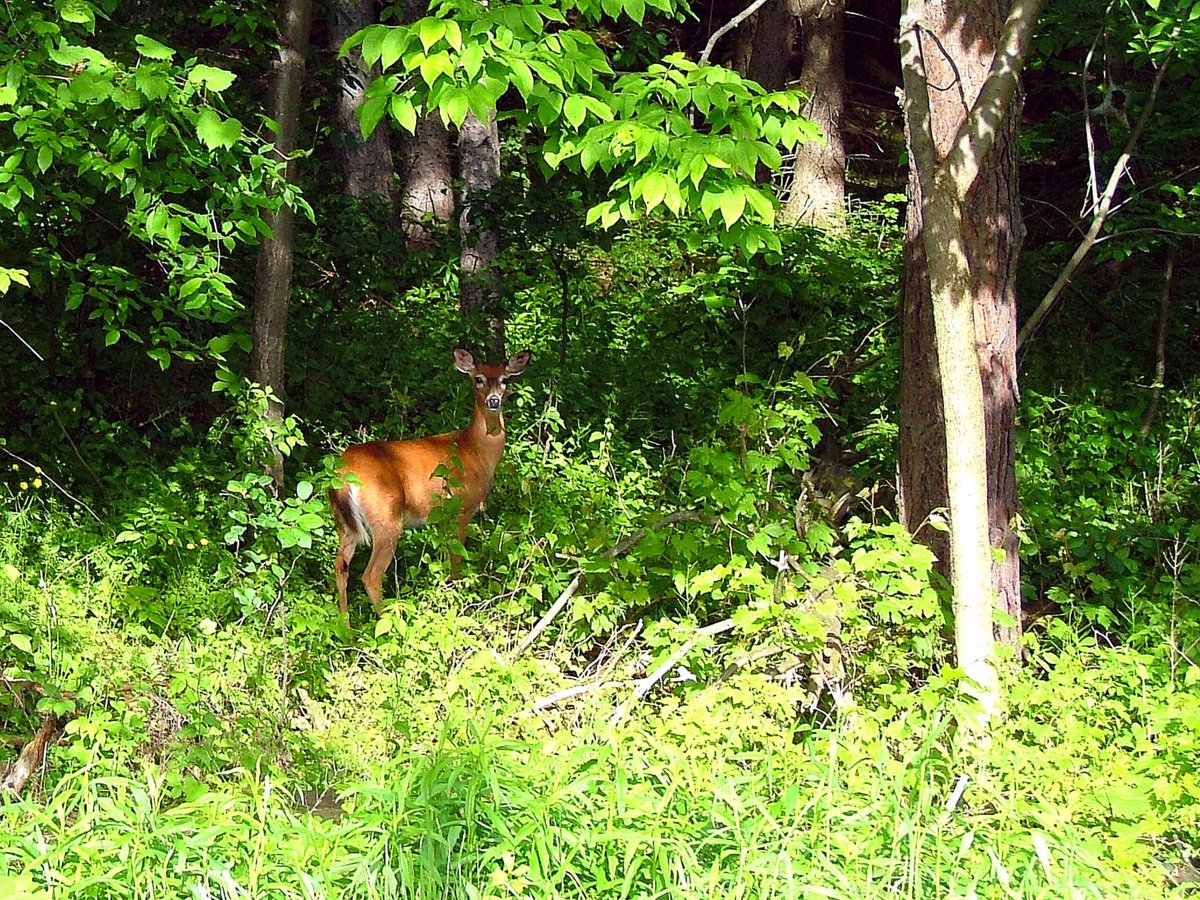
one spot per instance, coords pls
(745, 691)
(466, 769)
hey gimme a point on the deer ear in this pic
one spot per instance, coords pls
(517, 364)
(464, 361)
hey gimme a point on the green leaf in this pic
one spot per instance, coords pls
(653, 189)
(304, 490)
(430, 31)
(78, 12)
(404, 113)
(575, 110)
(433, 67)
(215, 132)
(733, 203)
(21, 642)
(372, 111)
(522, 77)
(471, 60)
(211, 77)
(152, 49)
(393, 46)
(454, 107)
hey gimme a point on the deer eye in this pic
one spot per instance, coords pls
(503, 381)
(480, 380)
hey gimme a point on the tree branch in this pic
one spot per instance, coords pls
(671, 662)
(1101, 214)
(682, 515)
(728, 27)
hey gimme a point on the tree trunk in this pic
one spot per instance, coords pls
(958, 321)
(762, 45)
(427, 194)
(366, 163)
(479, 167)
(427, 176)
(268, 327)
(818, 193)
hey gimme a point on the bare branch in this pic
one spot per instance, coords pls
(682, 515)
(1093, 233)
(671, 662)
(728, 27)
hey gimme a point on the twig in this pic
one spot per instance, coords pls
(728, 27)
(672, 661)
(573, 691)
(23, 341)
(1101, 213)
(682, 515)
(61, 489)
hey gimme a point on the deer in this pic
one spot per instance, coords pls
(392, 485)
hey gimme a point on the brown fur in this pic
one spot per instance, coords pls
(396, 486)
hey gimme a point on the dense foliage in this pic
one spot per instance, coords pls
(748, 690)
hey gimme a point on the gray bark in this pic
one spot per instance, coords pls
(268, 327)
(818, 194)
(366, 162)
(479, 168)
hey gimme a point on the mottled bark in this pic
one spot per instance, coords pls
(479, 169)
(427, 180)
(268, 327)
(818, 194)
(762, 45)
(427, 172)
(956, 41)
(366, 163)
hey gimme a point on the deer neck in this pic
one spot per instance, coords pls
(485, 433)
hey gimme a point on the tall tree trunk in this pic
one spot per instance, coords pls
(427, 173)
(366, 163)
(427, 192)
(268, 327)
(818, 194)
(762, 45)
(958, 324)
(479, 167)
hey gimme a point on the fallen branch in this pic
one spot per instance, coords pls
(31, 757)
(682, 515)
(573, 691)
(671, 662)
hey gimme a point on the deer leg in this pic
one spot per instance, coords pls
(382, 551)
(456, 558)
(347, 544)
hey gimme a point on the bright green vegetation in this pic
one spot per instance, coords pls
(209, 683)
(749, 692)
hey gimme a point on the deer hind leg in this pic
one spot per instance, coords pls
(383, 549)
(348, 538)
(347, 544)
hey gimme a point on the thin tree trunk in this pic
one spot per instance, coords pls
(963, 237)
(762, 45)
(1160, 342)
(818, 194)
(366, 163)
(479, 167)
(268, 326)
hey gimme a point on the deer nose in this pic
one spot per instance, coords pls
(493, 401)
